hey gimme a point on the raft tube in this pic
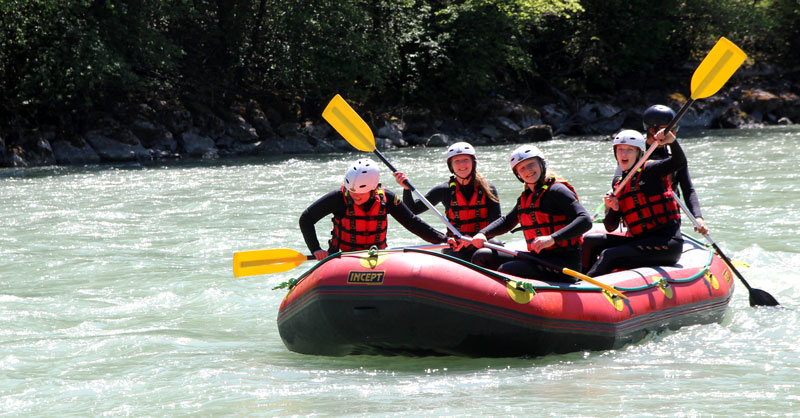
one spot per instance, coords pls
(416, 302)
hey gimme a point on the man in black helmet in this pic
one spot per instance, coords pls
(655, 118)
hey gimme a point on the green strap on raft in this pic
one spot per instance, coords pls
(526, 286)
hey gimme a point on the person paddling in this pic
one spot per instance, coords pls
(552, 219)
(359, 208)
(645, 204)
(470, 202)
(654, 119)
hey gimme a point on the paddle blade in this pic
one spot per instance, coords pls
(739, 264)
(251, 263)
(717, 67)
(759, 297)
(349, 125)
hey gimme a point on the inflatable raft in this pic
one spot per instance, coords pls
(417, 302)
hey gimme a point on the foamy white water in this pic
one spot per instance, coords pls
(117, 296)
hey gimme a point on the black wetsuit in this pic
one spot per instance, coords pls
(558, 199)
(441, 194)
(602, 253)
(681, 183)
(333, 203)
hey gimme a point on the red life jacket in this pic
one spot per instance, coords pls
(468, 217)
(360, 229)
(537, 223)
(643, 212)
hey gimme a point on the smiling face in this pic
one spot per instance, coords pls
(462, 166)
(529, 170)
(627, 155)
(360, 198)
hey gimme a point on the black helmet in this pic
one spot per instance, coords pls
(657, 115)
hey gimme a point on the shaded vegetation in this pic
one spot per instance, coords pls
(60, 60)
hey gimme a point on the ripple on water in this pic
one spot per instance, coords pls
(117, 296)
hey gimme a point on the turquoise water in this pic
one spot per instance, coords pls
(117, 296)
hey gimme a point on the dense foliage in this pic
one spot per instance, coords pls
(60, 58)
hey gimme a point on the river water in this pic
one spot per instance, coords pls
(117, 296)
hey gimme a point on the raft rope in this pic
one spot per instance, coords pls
(291, 283)
(695, 240)
(664, 281)
(526, 286)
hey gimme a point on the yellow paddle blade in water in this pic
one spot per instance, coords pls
(718, 66)
(739, 264)
(251, 263)
(349, 125)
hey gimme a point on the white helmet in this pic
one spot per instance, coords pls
(460, 148)
(524, 152)
(362, 176)
(630, 137)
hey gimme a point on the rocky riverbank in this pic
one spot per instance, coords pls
(159, 130)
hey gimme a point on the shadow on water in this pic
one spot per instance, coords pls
(715, 135)
(55, 171)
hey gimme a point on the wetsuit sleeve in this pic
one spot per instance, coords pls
(435, 195)
(565, 202)
(493, 208)
(502, 224)
(662, 168)
(331, 203)
(401, 213)
(688, 192)
(613, 217)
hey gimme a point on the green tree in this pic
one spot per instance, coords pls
(62, 59)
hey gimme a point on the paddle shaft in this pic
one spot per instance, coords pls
(427, 203)
(653, 147)
(551, 266)
(758, 297)
(457, 233)
(265, 257)
(714, 244)
(271, 261)
(347, 122)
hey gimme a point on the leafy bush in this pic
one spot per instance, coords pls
(63, 59)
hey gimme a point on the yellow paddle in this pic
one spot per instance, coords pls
(350, 126)
(251, 263)
(740, 264)
(758, 297)
(346, 121)
(716, 68)
(564, 270)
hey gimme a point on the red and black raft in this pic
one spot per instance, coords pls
(417, 302)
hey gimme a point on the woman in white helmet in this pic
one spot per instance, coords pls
(470, 202)
(552, 220)
(359, 208)
(645, 205)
